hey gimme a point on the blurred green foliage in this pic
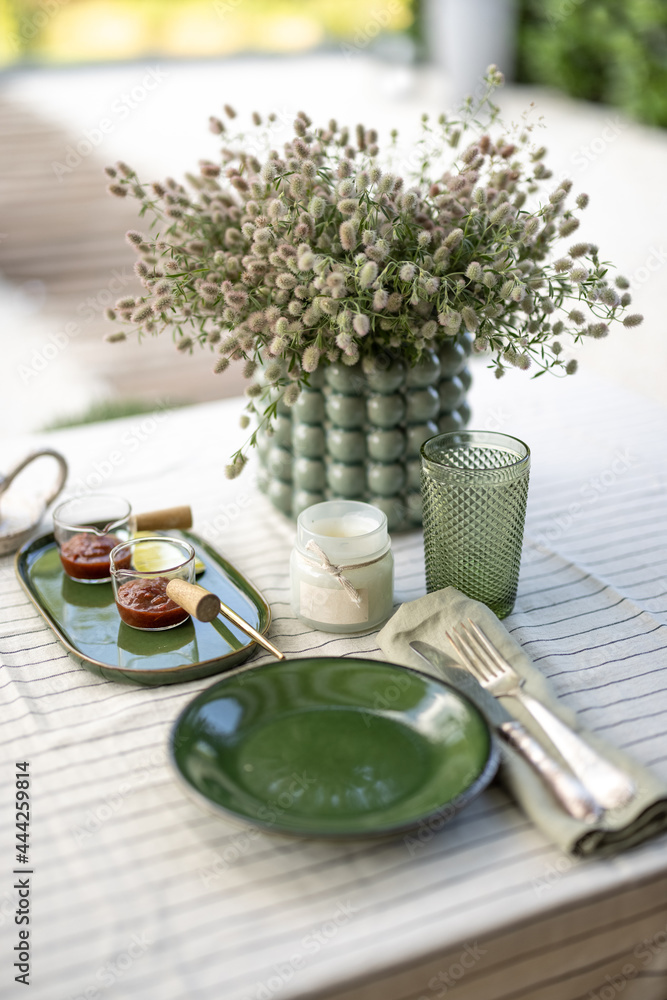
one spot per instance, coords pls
(58, 31)
(613, 51)
(108, 409)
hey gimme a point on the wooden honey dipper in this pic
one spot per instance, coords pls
(204, 605)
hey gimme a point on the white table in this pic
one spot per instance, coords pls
(137, 893)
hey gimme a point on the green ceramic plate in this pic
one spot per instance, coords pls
(333, 747)
(85, 620)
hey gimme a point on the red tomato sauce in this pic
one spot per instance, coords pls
(86, 556)
(144, 604)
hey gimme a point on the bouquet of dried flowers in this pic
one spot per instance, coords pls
(324, 252)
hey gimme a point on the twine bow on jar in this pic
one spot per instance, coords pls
(337, 571)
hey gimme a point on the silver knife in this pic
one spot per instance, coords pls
(567, 789)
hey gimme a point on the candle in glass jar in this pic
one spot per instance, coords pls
(342, 568)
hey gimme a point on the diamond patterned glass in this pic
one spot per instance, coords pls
(474, 492)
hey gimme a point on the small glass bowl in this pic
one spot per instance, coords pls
(140, 571)
(83, 544)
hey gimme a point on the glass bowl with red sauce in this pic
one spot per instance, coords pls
(86, 529)
(141, 568)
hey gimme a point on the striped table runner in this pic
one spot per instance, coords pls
(138, 893)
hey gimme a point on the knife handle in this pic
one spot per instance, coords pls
(567, 789)
(610, 785)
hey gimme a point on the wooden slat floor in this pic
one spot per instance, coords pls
(63, 242)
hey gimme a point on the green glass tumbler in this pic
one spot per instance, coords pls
(474, 491)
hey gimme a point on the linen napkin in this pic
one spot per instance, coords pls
(428, 618)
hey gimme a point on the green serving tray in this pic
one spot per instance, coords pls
(85, 620)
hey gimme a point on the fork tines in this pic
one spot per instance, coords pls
(476, 651)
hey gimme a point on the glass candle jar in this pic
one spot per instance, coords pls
(140, 572)
(342, 568)
(86, 529)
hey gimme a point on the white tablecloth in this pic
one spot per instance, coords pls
(138, 893)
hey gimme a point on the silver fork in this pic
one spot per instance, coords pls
(610, 786)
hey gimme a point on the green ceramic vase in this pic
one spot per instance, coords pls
(358, 436)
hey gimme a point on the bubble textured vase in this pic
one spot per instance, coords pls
(357, 437)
